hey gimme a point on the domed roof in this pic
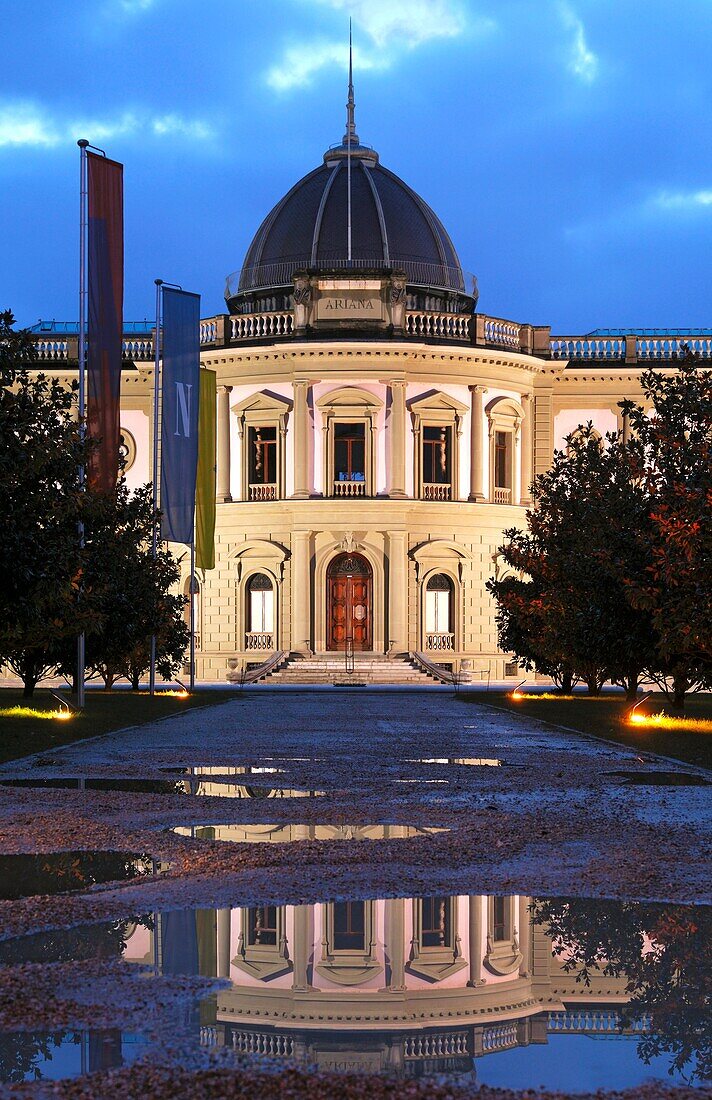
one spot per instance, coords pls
(390, 226)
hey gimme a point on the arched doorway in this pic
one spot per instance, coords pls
(439, 624)
(349, 603)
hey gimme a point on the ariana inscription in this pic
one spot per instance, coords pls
(349, 306)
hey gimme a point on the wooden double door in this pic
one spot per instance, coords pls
(349, 604)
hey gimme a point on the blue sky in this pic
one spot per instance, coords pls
(566, 144)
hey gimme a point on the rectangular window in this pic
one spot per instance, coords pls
(349, 926)
(500, 922)
(262, 926)
(501, 460)
(263, 456)
(349, 452)
(436, 918)
(436, 455)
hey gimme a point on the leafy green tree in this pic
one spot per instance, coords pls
(130, 591)
(672, 452)
(569, 614)
(41, 503)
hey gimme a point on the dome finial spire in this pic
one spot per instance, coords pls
(350, 137)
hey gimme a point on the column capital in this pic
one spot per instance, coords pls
(224, 389)
(477, 387)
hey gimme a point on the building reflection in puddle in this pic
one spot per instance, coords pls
(289, 833)
(420, 986)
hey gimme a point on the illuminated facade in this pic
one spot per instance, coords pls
(376, 435)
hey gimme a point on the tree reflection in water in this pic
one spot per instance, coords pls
(662, 952)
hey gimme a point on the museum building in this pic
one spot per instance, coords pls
(376, 435)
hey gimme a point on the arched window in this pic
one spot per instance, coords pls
(260, 612)
(439, 626)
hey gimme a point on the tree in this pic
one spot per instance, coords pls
(129, 591)
(673, 460)
(661, 951)
(41, 503)
(570, 614)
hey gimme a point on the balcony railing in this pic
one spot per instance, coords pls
(252, 326)
(435, 1046)
(440, 641)
(262, 491)
(435, 491)
(502, 332)
(499, 1037)
(258, 1042)
(355, 488)
(446, 326)
(502, 495)
(261, 640)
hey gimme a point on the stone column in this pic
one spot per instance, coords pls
(302, 439)
(301, 587)
(223, 931)
(301, 947)
(222, 494)
(395, 943)
(475, 937)
(625, 427)
(527, 444)
(396, 440)
(477, 443)
(398, 592)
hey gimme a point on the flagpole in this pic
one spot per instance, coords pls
(81, 354)
(192, 608)
(154, 540)
(349, 123)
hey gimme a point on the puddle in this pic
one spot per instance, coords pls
(285, 834)
(661, 779)
(510, 991)
(219, 787)
(53, 1055)
(221, 770)
(65, 872)
(472, 761)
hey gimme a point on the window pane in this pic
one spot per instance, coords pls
(442, 612)
(349, 926)
(263, 455)
(436, 455)
(501, 472)
(349, 452)
(262, 926)
(436, 922)
(499, 920)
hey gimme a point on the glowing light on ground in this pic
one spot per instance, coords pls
(33, 712)
(169, 692)
(668, 722)
(553, 695)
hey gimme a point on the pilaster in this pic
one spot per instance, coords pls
(301, 592)
(397, 592)
(477, 443)
(396, 439)
(527, 444)
(223, 494)
(302, 439)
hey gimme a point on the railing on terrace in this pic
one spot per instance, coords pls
(499, 1037)
(350, 488)
(502, 495)
(436, 491)
(435, 1046)
(577, 347)
(259, 640)
(595, 1020)
(259, 1042)
(446, 326)
(631, 347)
(419, 272)
(440, 641)
(134, 349)
(263, 491)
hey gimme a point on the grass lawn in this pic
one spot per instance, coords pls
(21, 734)
(603, 717)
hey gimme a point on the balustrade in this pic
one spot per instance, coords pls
(435, 491)
(502, 495)
(251, 326)
(577, 347)
(448, 326)
(51, 349)
(258, 1042)
(259, 639)
(349, 488)
(499, 1037)
(263, 491)
(435, 1046)
(138, 349)
(595, 1020)
(440, 641)
(505, 333)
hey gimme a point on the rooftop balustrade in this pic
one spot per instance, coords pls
(624, 346)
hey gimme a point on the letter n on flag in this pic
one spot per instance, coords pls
(105, 319)
(205, 493)
(180, 396)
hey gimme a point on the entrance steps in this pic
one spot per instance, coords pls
(368, 668)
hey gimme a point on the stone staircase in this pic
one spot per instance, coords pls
(368, 668)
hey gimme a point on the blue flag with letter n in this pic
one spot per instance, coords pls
(179, 421)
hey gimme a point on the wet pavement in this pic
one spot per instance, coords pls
(524, 907)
